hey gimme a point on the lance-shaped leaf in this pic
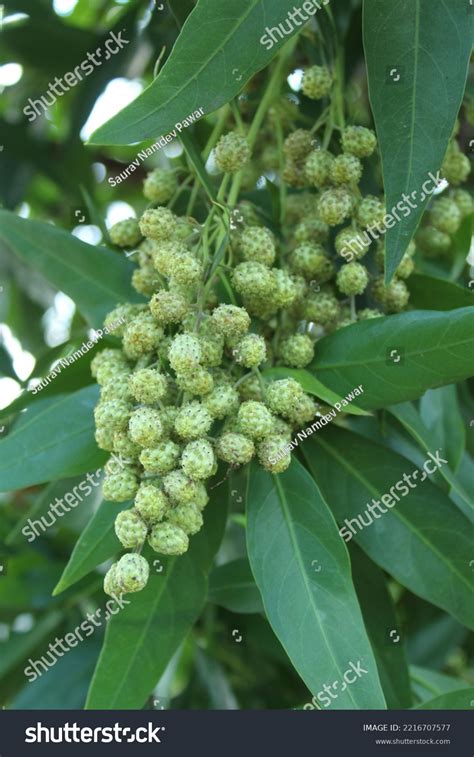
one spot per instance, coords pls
(302, 569)
(415, 532)
(431, 293)
(417, 54)
(221, 46)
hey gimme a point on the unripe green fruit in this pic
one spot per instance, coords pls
(104, 437)
(193, 421)
(321, 308)
(158, 223)
(304, 411)
(145, 427)
(185, 270)
(167, 418)
(160, 186)
(110, 582)
(285, 288)
(145, 280)
(255, 419)
(253, 280)
(114, 414)
(368, 313)
(188, 517)
(107, 364)
(123, 445)
(251, 351)
(352, 279)
(230, 320)
(311, 230)
(433, 242)
(346, 169)
(199, 382)
(117, 388)
(311, 261)
(445, 215)
(406, 267)
(282, 396)
(222, 401)
(298, 145)
(370, 212)
(197, 460)
(125, 233)
(351, 243)
(335, 205)
(168, 539)
(179, 487)
(235, 449)
(270, 454)
(393, 297)
(464, 202)
(164, 252)
(168, 307)
(294, 174)
(456, 168)
(297, 351)
(232, 152)
(151, 503)
(358, 141)
(317, 82)
(160, 459)
(124, 312)
(185, 353)
(212, 348)
(317, 168)
(130, 529)
(121, 486)
(142, 335)
(257, 244)
(148, 385)
(131, 573)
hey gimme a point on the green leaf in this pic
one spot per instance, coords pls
(421, 524)
(53, 439)
(19, 645)
(453, 700)
(96, 544)
(94, 277)
(311, 385)
(208, 66)
(302, 569)
(429, 53)
(233, 586)
(434, 349)
(196, 161)
(440, 413)
(407, 415)
(141, 639)
(429, 683)
(380, 620)
(431, 293)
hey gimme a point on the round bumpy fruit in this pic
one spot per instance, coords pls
(168, 539)
(130, 529)
(160, 459)
(257, 244)
(317, 82)
(160, 186)
(352, 279)
(222, 401)
(188, 517)
(179, 487)
(232, 152)
(168, 307)
(198, 460)
(230, 320)
(157, 223)
(131, 573)
(346, 169)
(151, 503)
(125, 233)
(193, 421)
(120, 486)
(148, 385)
(184, 353)
(317, 167)
(145, 427)
(297, 351)
(298, 145)
(358, 141)
(251, 351)
(272, 454)
(235, 449)
(255, 419)
(335, 205)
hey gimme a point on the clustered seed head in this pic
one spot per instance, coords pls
(188, 384)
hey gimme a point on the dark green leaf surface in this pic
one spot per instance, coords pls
(53, 439)
(96, 544)
(302, 569)
(424, 527)
(215, 55)
(431, 293)
(381, 621)
(429, 684)
(94, 277)
(454, 700)
(141, 639)
(233, 586)
(434, 349)
(427, 45)
(439, 411)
